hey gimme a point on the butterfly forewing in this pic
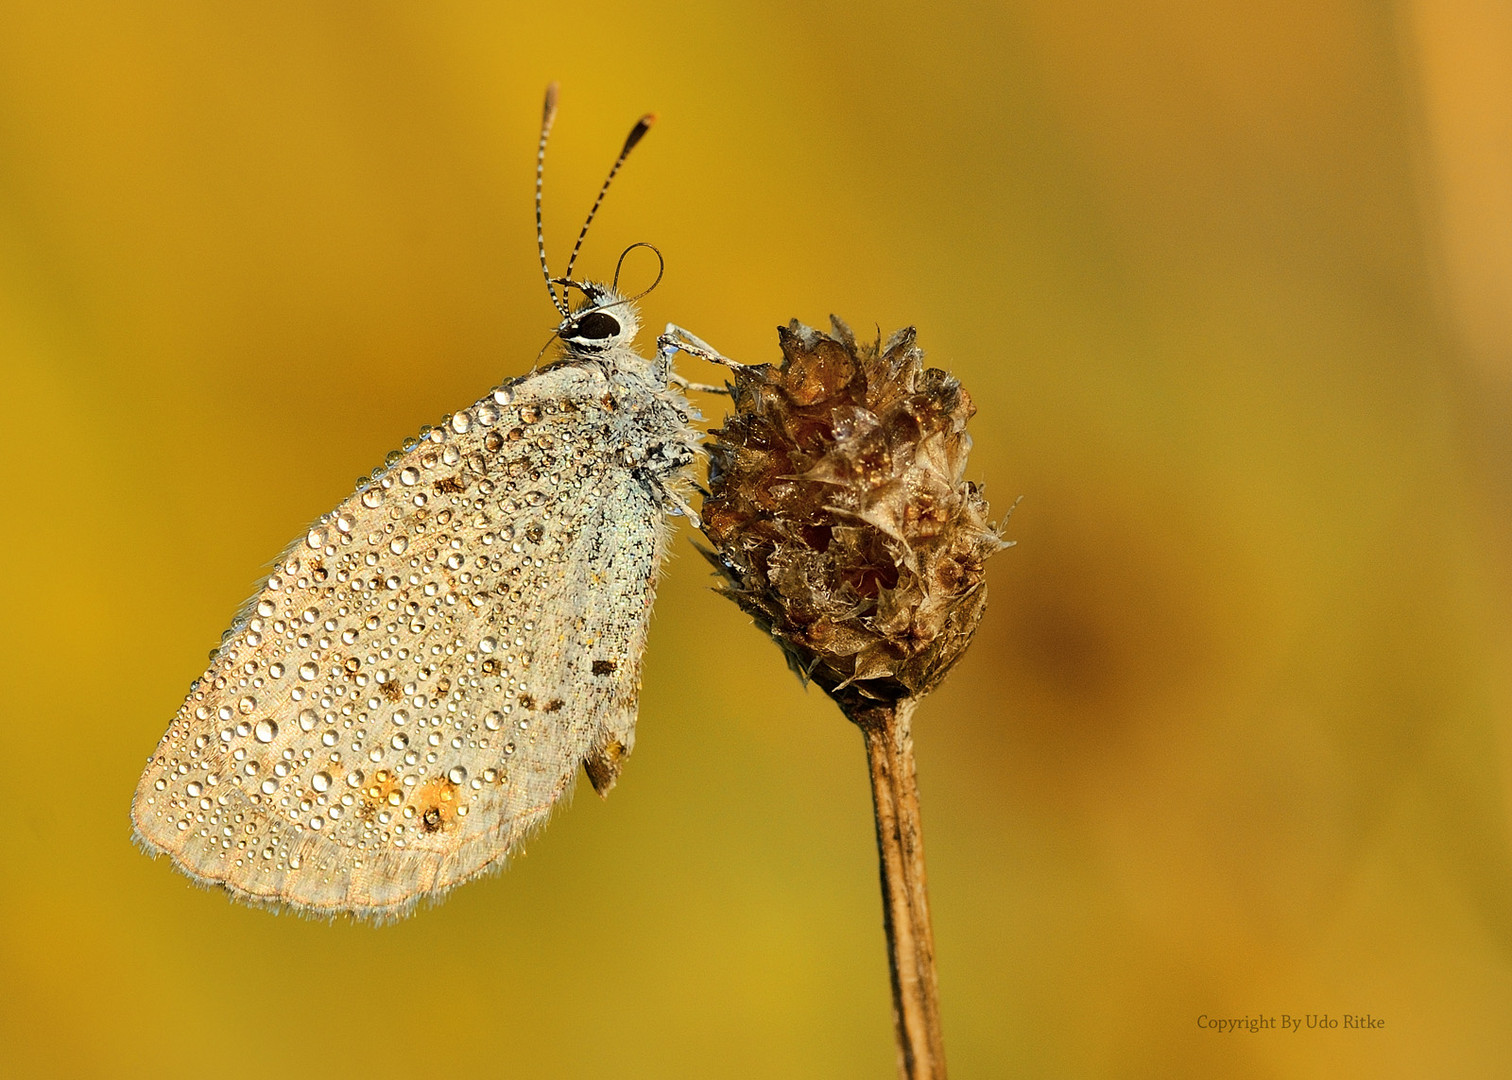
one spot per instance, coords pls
(417, 681)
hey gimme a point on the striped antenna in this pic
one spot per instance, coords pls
(636, 133)
(547, 117)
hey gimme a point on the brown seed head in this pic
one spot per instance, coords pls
(840, 516)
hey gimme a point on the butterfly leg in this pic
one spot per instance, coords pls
(690, 343)
(686, 384)
(675, 339)
(678, 502)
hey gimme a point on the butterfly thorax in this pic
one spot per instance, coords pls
(648, 419)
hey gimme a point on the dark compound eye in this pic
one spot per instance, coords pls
(595, 325)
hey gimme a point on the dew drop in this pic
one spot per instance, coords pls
(371, 498)
(488, 413)
(321, 781)
(457, 774)
(399, 741)
(265, 608)
(400, 716)
(307, 719)
(276, 670)
(487, 645)
(266, 731)
(193, 789)
(316, 539)
(344, 523)
(268, 786)
(354, 778)
(409, 476)
(317, 823)
(308, 671)
(502, 396)
(460, 423)
(494, 720)
(398, 544)
(247, 704)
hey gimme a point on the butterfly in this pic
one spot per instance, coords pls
(415, 684)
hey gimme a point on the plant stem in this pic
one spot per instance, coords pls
(887, 729)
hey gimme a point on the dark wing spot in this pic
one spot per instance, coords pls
(603, 667)
(527, 701)
(553, 705)
(430, 821)
(390, 690)
(448, 485)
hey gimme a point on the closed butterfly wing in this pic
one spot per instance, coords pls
(416, 683)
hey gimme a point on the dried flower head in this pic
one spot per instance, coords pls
(840, 516)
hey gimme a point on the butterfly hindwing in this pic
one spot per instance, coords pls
(416, 683)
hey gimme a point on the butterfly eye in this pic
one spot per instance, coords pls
(595, 326)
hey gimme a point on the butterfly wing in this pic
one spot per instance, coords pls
(418, 680)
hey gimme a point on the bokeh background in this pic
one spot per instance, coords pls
(1231, 284)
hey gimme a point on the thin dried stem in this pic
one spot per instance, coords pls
(887, 729)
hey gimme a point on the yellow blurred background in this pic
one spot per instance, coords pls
(1232, 287)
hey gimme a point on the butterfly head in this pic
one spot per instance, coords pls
(605, 320)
